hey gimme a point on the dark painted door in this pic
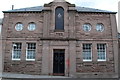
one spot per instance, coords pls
(59, 62)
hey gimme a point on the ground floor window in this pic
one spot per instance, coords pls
(30, 51)
(16, 51)
(101, 52)
(87, 52)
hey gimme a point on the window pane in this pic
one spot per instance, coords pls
(19, 26)
(87, 52)
(31, 49)
(31, 26)
(99, 27)
(87, 27)
(101, 51)
(59, 18)
(16, 50)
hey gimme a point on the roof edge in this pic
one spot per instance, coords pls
(42, 8)
(96, 12)
(19, 11)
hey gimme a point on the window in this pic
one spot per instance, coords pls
(99, 27)
(31, 26)
(16, 52)
(87, 53)
(87, 27)
(59, 18)
(31, 50)
(101, 52)
(19, 26)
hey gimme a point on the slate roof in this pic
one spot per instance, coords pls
(40, 8)
(28, 9)
(86, 9)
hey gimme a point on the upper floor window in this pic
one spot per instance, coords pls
(31, 50)
(100, 27)
(19, 26)
(87, 27)
(16, 51)
(101, 52)
(31, 26)
(87, 52)
(59, 18)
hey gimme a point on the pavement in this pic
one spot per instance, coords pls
(12, 76)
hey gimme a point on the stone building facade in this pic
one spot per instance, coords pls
(62, 39)
(1, 57)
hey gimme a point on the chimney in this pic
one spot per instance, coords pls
(59, 0)
(12, 7)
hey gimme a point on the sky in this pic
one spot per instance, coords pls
(110, 5)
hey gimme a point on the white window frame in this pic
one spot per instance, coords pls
(83, 52)
(27, 52)
(88, 25)
(30, 26)
(20, 25)
(105, 53)
(14, 44)
(100, 27)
